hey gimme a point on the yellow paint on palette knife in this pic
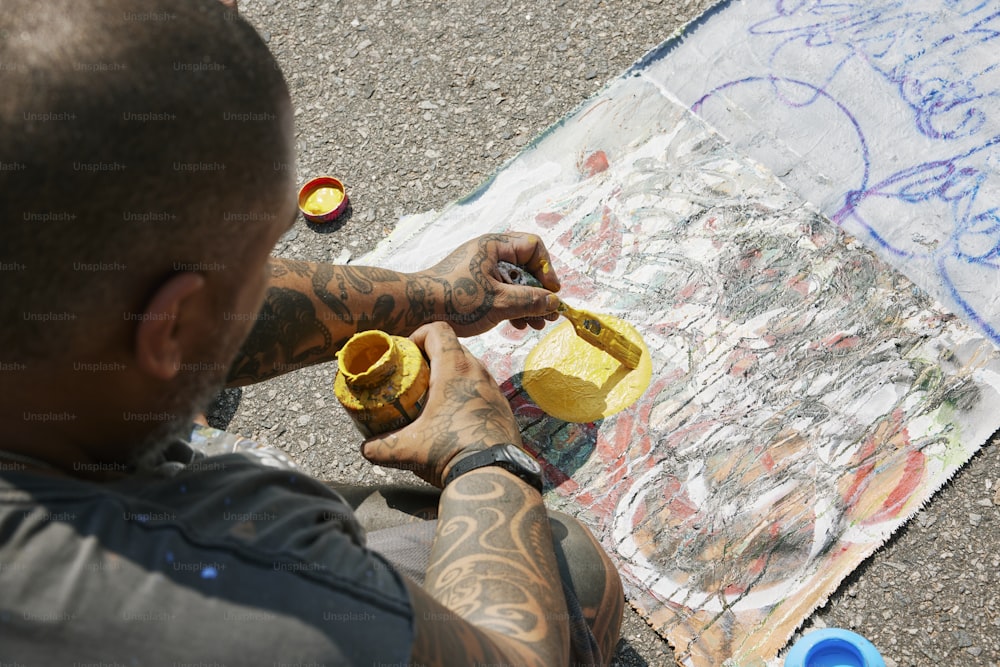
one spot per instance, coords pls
(572, 380)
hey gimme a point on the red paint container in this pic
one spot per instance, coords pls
(322, 199)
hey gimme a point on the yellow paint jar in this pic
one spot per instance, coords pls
(322, 199)
(381, 381)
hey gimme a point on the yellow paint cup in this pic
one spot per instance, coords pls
(381, 381)
(322, 199)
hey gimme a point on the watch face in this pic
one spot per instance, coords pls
(522, 458)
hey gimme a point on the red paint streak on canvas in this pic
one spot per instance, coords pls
(597, 242)
(548, 219)
(594, 164)
(913, 472)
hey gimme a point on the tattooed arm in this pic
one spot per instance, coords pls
(493, 593)
(311, 309)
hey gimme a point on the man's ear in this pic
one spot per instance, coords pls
(159, 341)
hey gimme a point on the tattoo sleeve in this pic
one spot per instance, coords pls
(311, 309)
(494, 588)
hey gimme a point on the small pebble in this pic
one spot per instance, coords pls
(962, 638)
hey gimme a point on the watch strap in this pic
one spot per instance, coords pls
(494, 456)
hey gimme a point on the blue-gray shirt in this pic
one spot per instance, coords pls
(220, 561)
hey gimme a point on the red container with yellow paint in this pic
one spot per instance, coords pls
(322, 199)
(381, 381)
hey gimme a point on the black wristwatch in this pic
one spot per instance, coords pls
(508, 456)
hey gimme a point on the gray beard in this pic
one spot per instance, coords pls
(192, 395)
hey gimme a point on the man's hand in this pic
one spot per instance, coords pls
(465, 412)
(474, 299)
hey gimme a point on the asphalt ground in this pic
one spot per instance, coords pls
(413, 104)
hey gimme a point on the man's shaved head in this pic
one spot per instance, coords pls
(137, 140)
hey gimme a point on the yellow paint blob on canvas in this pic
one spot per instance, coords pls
(323, 200)
(572, 380)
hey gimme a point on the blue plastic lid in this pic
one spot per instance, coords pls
(833, 647)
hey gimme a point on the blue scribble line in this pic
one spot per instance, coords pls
(945, 67)
(909, 49)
